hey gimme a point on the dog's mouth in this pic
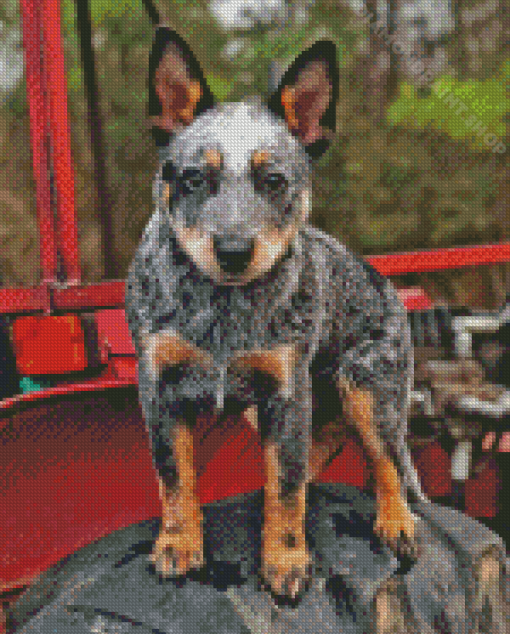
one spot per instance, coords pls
(232, 279)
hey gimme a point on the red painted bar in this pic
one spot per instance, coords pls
(24, 300)
(56, 94)
(30, 12)
(106, 294)
(111, 294)
(440, 259)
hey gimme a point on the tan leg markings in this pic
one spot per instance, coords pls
(279, 362)
(270, 246)
(395, 522)
(179, 545)
(168, 348)
(285, 557)
(251, 416)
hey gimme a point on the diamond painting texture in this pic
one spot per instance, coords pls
(248, 428)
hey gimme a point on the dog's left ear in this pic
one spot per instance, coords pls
(178, 91)
(307, 96)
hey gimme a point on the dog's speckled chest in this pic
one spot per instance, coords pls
(276, 309)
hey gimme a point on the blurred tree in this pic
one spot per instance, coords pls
(457, 49)
(402, 173)
(375, 71)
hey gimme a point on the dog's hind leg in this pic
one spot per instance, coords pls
(395, 523)
(327, 442)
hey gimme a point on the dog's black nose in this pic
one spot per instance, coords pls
(233, 253)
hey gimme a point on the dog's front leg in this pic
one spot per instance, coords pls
(179, 545)
(286, 426)
(285, 557)
(170, 419)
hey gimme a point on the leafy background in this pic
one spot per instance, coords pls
(414, 178)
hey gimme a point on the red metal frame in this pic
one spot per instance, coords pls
(89, 386)
(60, 138)
(50, 134)
(31, 19)
(110, 294)
(440, 259)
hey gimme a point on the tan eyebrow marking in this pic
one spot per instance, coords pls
(260, 157)
(213, 158)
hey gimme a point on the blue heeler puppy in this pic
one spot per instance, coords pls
(236, 304)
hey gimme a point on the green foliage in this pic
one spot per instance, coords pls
(8, 10)
(102, 10)
(124, 21)
(220, 87)
(395, 176)
(17, 102)
(461, 109)
(259, 49)
(288, 43)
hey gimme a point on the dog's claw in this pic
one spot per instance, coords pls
(399, 534)
(175, 554)
(407, 547)
(296, 586)
(288, 573)
(197, 560)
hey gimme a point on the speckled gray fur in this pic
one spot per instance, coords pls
(333, 309)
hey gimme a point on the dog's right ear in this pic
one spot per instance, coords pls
(178, 91)
(307, 95)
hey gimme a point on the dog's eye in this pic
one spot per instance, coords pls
(191, 180)
(275, 183)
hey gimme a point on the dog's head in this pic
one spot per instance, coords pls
(236, 176)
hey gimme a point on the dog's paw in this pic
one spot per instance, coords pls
(286, 570)
(175, 553)
(396, 527)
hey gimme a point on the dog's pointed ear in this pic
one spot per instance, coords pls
(307, 96)
(178, 91)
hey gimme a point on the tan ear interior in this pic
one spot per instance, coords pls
(306, 101)
(178, 93)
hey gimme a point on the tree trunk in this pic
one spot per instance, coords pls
(381, 74)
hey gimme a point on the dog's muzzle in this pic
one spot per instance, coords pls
(233, 253)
